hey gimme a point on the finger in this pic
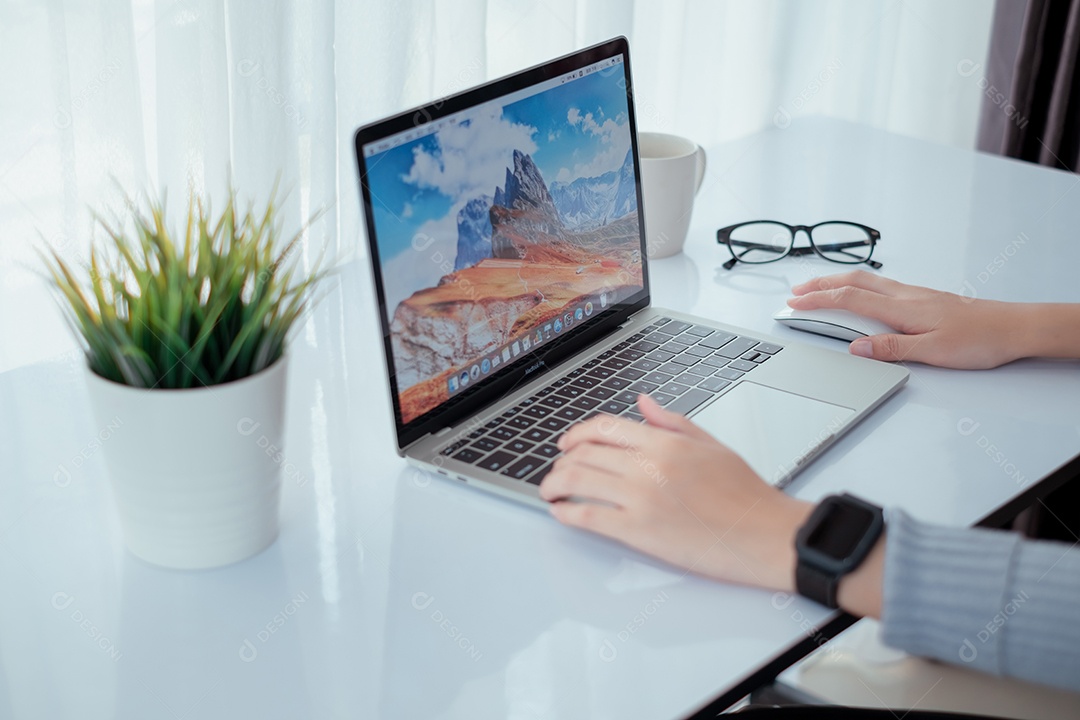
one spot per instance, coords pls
(603, 458)
(855, 278)
(597, 518)
(607, 430)
(857, 300)
(891, 348)
(570, 479)
(657, 416)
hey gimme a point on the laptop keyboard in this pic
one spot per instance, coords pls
(679, 364)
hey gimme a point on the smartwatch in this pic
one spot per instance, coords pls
(834, 541)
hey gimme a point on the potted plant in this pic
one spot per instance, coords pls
(185, 339)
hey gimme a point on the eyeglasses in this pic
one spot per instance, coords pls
(765, 241)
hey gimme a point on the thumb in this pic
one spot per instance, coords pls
(658, 417)
(892, 347)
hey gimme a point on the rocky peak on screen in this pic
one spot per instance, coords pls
(525, 188)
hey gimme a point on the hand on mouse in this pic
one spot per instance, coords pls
(675, 492)
(937, 328)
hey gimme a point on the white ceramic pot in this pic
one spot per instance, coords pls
(195, 473)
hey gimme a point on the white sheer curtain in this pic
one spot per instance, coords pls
(177, 95)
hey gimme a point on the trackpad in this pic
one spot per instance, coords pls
(773, 430)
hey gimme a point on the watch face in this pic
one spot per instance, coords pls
(838, 534)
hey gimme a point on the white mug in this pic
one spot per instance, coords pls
(672, 169)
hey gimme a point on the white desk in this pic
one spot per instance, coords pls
(344, 616)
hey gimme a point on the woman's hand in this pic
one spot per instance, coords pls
(933, 327)
(671, 490)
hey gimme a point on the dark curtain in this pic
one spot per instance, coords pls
(1031, 83)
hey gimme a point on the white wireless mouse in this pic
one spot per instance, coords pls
(839, 324)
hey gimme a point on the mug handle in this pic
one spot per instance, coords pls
(699, 158)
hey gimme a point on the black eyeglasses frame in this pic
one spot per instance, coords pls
(723, 237)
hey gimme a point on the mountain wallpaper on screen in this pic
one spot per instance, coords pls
(523, 255)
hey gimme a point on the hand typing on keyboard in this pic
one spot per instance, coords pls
(670, 489)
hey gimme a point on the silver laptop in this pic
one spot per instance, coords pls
(508, 252)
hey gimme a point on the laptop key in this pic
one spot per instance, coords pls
(717, 340)
(520, 422)
(674, 347)
(493, 423)
(687, 339)
(523, 468)
(644, 346)
(658, 338)
(518, 446)
(572, 392)
(658, 377)
(612, 407)
(616, 383)
(626, 396)
(476, 433)
(553, 424)
(686, 360)
(700, 370)
(728, 374)
(646, 364)
(660, 356)
(736, 347)
(673, 388)
(642, 386)
(569, 413)
(744, 365)
(547, 450)
(716, 362)
(676, 327)
(453, 447)
(486, 444)
(586, 403)
(662, 398)
(713, 384)
(661, 321)
(497, 460)
(586, 382)
(631, 415)
(468, 455)
(601, 372)
(503, 433)
(686, 402)
(555, 401)
(538, 411)
(700, 331)
(601, 393)
(617, 363)
(631, 374)
(631, 355)
(699, 352)
(769, 348)
(537, 477)
(536, 435)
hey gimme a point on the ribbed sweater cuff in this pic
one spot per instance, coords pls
(982, 598)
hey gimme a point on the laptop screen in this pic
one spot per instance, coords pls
(502, 228)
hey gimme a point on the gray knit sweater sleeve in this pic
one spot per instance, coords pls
(987, 599)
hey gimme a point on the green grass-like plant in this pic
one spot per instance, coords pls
(167, 312)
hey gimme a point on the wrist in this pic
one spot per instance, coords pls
(1050, 330)
(781, 569)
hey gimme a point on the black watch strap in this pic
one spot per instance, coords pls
(817, 585)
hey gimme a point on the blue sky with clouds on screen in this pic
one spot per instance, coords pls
(579, 129)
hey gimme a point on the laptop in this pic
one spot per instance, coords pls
(507, 243)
